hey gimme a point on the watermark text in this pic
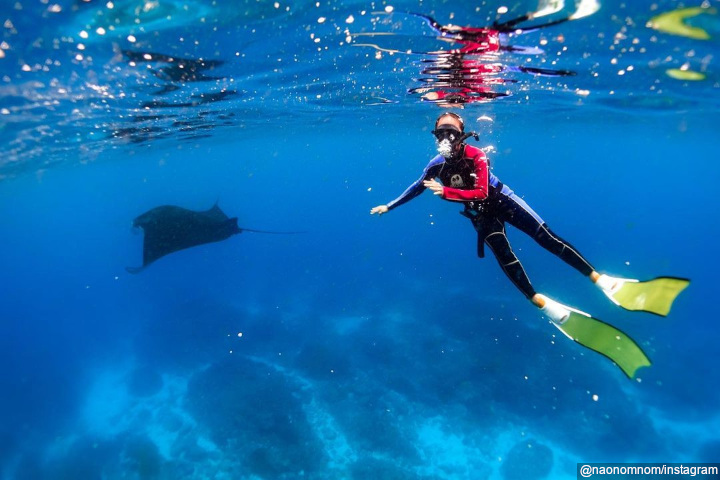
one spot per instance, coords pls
(648, 471)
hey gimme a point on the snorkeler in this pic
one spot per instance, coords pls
(469, 71)
(455, 79)
(489, 204)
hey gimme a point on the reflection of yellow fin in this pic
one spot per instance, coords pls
(685, 74)
(673, 22)
(606, 340)
(654, 296)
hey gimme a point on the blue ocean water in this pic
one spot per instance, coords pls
(363, 347)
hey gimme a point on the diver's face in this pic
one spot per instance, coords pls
(448, 133)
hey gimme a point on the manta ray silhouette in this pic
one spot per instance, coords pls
(170, 228)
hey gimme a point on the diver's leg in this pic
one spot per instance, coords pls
(546, 72)
(654, 296)
(543, 25)
(523, 217)
(579, 326)
(510, 26)
(563, 249)
(500, 246)
(498, 242)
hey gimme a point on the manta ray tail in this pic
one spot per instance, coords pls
(267, 231)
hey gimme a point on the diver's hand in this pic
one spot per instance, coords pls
(380, 209)
(434, 185)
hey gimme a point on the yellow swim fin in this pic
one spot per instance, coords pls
(653, 296)
(606, 340)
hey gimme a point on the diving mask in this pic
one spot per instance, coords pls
(447, 139)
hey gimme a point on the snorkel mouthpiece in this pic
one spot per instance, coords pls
(447, 138)
(444, 148)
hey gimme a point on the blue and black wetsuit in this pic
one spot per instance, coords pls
(490, 204)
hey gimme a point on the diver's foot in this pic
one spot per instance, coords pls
(555, 311)
(610, 285)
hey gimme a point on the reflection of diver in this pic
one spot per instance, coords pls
(455, 78)
(489, 204)
(458, 77)
(493, 39)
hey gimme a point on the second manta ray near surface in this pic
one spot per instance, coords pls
(170, 228)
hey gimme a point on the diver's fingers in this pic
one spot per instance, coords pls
(433, 185)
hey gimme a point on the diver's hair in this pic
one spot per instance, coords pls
(453, 115)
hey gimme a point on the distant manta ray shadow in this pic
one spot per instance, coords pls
(170, 228)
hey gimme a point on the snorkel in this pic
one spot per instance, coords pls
(468, 135)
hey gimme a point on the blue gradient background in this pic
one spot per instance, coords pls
(371, 347)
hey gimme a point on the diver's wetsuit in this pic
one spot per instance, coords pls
(489, 205)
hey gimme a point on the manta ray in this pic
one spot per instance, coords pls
(170, 228)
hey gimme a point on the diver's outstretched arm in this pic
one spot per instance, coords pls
(509, 27)
(434, 24)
